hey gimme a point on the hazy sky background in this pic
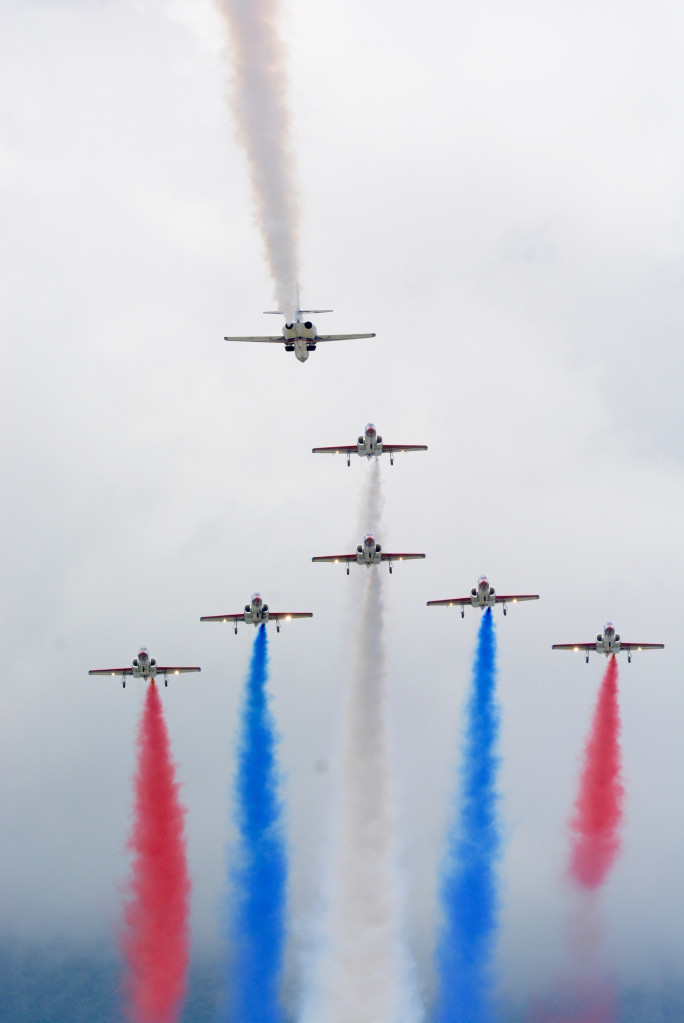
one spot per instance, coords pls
(496, 191)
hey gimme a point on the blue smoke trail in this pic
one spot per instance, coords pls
(468, 890)
(257, 898)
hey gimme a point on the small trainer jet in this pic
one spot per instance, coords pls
(299, 335)
(367, 553)
(257, 613)
(143, 666)
(608, 642)
(483, 596)
(369, 445)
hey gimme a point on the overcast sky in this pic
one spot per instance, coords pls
(496, 191)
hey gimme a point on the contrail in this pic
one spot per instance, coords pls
(598, 810)
(156, 940)
(468, 891)
(258, 99)
(256, 905)
(364, 973)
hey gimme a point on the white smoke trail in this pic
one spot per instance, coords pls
(258, 99)
(364, 970)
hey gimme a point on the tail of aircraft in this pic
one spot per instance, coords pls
(298, 313)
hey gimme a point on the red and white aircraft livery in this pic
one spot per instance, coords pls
(483, 596)
(369, 445)
(257, 613)
(299, 336)
(143, 666)
(608, 642)
(367, 553)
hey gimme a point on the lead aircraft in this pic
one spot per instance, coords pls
(299, 335)
(257, 613)
(367, 553)
(608, 642)
(484, 595)
(143, 666)
(369, 445)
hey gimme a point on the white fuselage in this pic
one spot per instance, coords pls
(370, 444)
(608, 642)
(483, 595)
(144, 666)
(302, 335)
(368, 553)
(256, 612)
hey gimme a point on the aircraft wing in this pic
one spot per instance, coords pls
(223, 618)
(342, 449)
(641, 646)
(271, 339)
(111, 671)
(513, 597)
(335, 557)
(340, 337)
(401, 448)
(400, 557)
(285, 615)
(449, 601)
(166, 670)
(574, 646)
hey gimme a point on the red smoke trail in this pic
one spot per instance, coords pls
(156, 942)
(598, 810)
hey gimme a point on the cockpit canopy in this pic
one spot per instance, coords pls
(143, 654)
(256, 599)
(609, 628)
(483, 582)
(369, 540)
(370, 430)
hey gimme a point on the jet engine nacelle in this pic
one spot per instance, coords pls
(265, 608)
(153, 661)
(135, 662)
(248, 608)
(473, 592)
(599, 638)
(378, 548)
(617, 637)
(492, 591)
(360, 548)
(360, 442)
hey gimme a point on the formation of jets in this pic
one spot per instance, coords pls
(369, 445)
(300, 336)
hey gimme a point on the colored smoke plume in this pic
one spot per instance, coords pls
(156, 939)
(256, 905)
(469, 898)
(259, 87)
(598, 810)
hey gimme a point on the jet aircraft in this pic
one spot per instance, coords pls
(257, 613)
(368, 445)
(484, 595)
(299, 335)
(367, 553)
(608, 642)
(143, 666)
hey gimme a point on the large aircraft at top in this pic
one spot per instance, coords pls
(299, 335)
(257, 613)
(368, 446)
(608, 642)
(483, 596)
(143, 666)
(367, 553)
